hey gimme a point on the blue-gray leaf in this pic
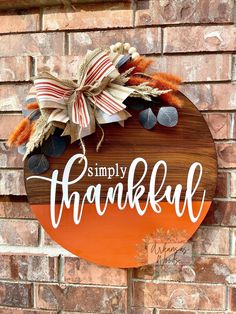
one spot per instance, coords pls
(38, 164)
(34, 115)
(123, 60)
(54, 146)
(22, 149)
(30, 100)
(147, 119)
(26, 111)
(168, 116)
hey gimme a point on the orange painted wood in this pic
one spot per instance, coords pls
(114, 238)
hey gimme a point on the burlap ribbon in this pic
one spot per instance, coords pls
(77, 106)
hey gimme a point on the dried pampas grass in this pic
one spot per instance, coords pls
(138, 65)
(32, 105)
(20, 131)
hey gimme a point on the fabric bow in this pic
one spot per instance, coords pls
(70, 103)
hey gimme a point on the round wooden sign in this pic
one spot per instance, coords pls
(142, 193)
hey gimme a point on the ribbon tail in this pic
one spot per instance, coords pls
(74, 130)
(80, 114)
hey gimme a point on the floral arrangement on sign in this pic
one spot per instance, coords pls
(57, 110)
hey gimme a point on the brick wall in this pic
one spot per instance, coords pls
(193, 38)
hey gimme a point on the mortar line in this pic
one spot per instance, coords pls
(226, 298)
(234, 12)
(134, 7)
(66, 44)
(40, 236)
(232, 116)
(228, 182)
(54, 283)
(231, 242)
(41, 19)
(129, 289)
(162, 41)
(61, 264)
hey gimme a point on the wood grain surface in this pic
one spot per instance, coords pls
(188, 142)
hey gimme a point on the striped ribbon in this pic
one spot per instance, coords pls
(55, 94)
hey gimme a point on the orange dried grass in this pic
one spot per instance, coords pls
(139, 65)
(20, 134)
(23, 136)
(163, 83)
(169, 77)
(171, 99)
(168, 81)
(32, 105)
(137, 80)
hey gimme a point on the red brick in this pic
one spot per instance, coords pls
(214, 269)
(8, 123)
(19, 4)
(219, 125)
(195, 67)
(28, 267)
(221, 213)
(72, 312)
(12, 182)
(80, 271)
(212, 96)
(32, 44)
(18, 233)
(15, 207)
(141, 310)
(233, 184)
(69, 312)
(213, 240)
(146, 40)
(12, 96)
(14, 294)
(14, 22)
(5, 310)
(199, 38)
(179, 296)
(188, 312)
(232, 298)
(154, 271)
(182, 11)
(64, 66)
(47, 240)
(89, 16)
(203, 269)
(15, 69)
(9, 158)
(222, 185)
(91, 299)
(226, 155)
(146, 272)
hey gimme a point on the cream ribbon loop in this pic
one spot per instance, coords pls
(69, 102)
